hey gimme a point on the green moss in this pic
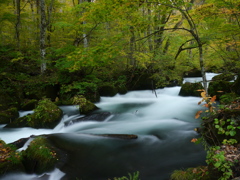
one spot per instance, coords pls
(107, 90)
(85, 106)
(228, 98)
(46, 115)
(10, 160)
(224, 77)
(190, 89)
(219, 88)
(40, 156)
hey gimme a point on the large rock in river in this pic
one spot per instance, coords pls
(190, 89)
(46, 115)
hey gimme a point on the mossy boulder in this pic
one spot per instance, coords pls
(107, 90)
(8, 115)
(46, 115)
(10, 160)
(219, 88)
(190, 89)
(85, 106)
(40, 156)
(224, 77)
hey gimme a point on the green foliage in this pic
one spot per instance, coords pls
(133, 176)
(79, 87)
(198, 173)
(182, 175)
(217, 159)
(227, 127)
(228, 98)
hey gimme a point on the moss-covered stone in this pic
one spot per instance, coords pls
(8, 115)
(46, 115)
(107, 90)
(40, 156)
(224, 77)
(219, 88)
(86, 107)
(10, 160)
(190, 89)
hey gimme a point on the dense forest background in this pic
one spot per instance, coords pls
(79, 44)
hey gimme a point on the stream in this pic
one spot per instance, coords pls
(164, 125)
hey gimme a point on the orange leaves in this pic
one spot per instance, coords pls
(208, 100)
(198, 114)
(213, 99)
(194, 140)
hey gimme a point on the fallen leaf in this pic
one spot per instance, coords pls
(198, 114)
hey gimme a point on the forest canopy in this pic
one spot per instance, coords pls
(102, 37)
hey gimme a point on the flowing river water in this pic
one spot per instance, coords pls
(164, 125)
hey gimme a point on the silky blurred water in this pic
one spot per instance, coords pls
(163, 121)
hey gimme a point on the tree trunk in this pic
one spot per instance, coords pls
(18, 21)
(202, 68)
(49, 23)
(43, 36)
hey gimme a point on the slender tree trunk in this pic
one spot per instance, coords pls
(18, 21)
(49, 23)
(200, 48)
(131, 47)
(43, 36)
